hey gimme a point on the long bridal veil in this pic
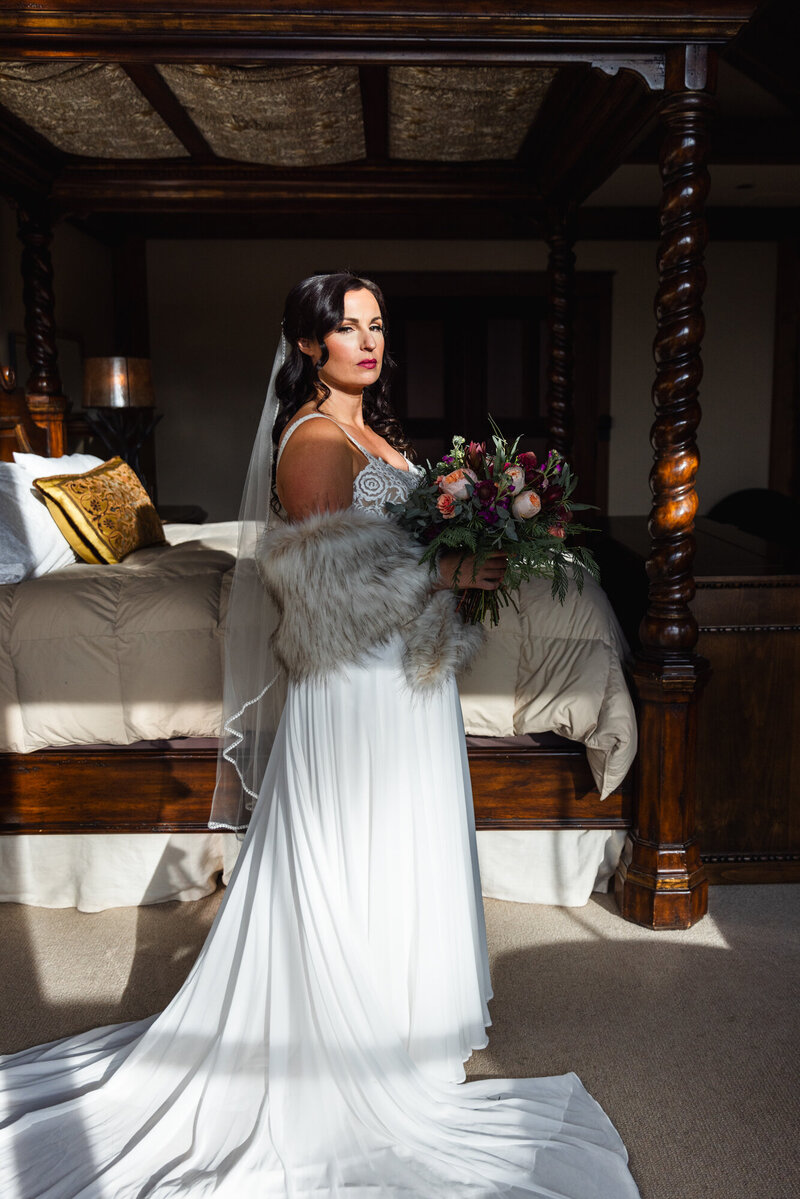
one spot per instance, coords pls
(254, 688)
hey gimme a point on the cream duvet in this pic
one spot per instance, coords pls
(120, 654)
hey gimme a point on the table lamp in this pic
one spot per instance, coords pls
(119, 407)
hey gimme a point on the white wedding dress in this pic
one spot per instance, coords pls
(316, 1048)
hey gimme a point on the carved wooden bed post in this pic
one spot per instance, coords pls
(560, 328)
(660, 881)
(47, 404)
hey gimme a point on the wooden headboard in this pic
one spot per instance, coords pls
(18, 430)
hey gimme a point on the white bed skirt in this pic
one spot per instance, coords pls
(94, 871)
(558, 866)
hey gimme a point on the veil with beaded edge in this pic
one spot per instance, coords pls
(254, 686)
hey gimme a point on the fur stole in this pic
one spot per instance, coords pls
(346, 581)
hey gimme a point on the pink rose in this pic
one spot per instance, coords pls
(526, 505)
(455, 484)
(447, 506)
(557, 531)
(516, 478)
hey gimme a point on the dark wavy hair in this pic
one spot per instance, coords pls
(314, 308)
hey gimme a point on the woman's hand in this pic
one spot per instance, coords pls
(488, 576)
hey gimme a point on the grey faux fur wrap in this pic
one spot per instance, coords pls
(346, 581)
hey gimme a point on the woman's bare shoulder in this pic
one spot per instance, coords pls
(301, 434)
(316, 469)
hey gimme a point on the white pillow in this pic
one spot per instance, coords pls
(69, 464)
(31, 543)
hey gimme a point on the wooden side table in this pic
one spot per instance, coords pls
(748, 746)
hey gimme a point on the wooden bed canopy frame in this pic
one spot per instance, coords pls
(621, 68)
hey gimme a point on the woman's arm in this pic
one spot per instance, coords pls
(316, 474)
(316, 471)
(344, 580)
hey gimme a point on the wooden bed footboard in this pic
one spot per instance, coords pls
(128, 789)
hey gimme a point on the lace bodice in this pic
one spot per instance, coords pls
(379, 482)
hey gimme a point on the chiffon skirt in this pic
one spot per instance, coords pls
(317, 1045)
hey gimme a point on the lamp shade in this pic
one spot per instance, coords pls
(117, 383)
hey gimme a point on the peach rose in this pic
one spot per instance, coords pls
(526, 505)
(447, 506)
(455, 484)
(557, 531)
(516, 479)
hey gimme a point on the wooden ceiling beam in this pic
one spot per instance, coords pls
(420, 221)
(160, 96)
(402, 221)
(216, 29)
(374, 81)
(180, 186)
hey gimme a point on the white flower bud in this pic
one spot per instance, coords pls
(526, 505)
(516, 478)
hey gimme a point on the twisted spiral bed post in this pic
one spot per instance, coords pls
(661, 882)
(47, 404)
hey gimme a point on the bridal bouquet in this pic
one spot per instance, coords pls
(480, 500)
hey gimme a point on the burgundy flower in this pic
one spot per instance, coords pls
(486, 490)
(528, 463)
(489, 516)
(552, 494)
(564, 514)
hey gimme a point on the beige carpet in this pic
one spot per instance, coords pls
(689, 1040)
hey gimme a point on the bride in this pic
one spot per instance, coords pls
(317, 1045)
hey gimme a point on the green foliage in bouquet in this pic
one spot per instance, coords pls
(479, 501)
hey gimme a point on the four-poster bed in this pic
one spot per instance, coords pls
(612, 71)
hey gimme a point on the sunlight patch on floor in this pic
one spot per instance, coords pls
(64, 954)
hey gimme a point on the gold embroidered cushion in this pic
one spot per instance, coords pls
(104, 513)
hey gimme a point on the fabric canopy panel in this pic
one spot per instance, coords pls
(283, 116)
(463, 114)
(277, 116)
(90, 109)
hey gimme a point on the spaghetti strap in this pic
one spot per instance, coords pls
(310, 416)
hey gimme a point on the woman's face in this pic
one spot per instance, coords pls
(355, 347)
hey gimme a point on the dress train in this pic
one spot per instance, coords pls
(316, 1046)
